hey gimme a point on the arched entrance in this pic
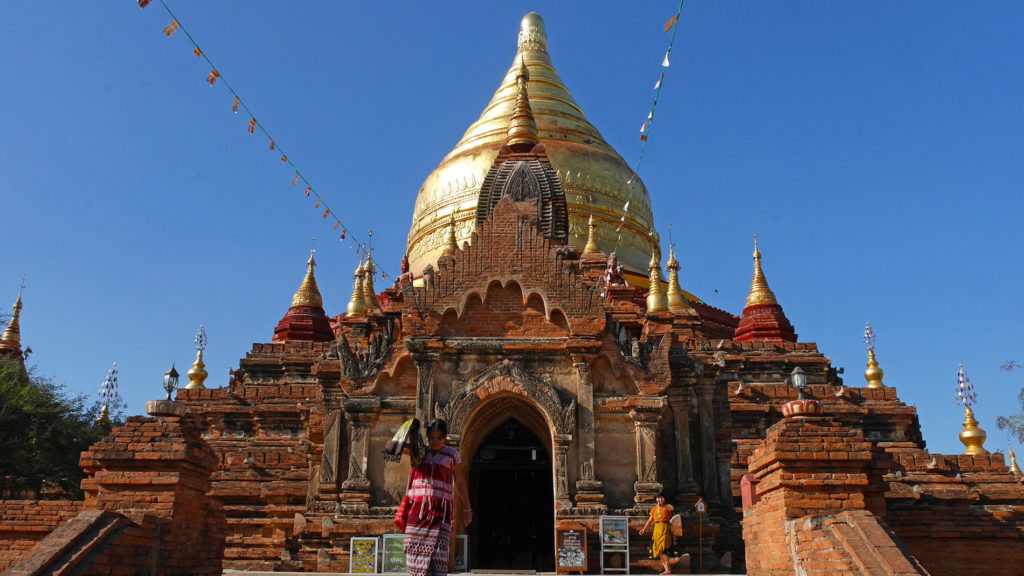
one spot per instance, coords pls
(512, 493)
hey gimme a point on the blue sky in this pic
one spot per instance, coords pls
(874, 148)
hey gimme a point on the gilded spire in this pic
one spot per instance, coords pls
(357, 305)
(656, 298)
(11, 340)
(760, 293)
(591, 247)
(451, 245)
(873, 374)
(369, 293)
(197, 374)
(676, 298)
(308, 293)
(972, 436)
(522, 128)
(1013, 465)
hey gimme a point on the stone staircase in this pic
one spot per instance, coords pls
(71, 545)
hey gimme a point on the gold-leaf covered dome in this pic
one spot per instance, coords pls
(594, 177)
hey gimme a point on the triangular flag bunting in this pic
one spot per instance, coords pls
(643, 137)
(296, 179)
(665, 61)
(343, 232)
(326, 213)
(336, 224)
(317, 205)
(272, 145)
(626, 207)
(658, 85)
(144, 3)
(171, 28)
(212, 77)
(252, 125)
(308, 190)
(234, 105)
(283, 158)
(671, 22)
(197, 52)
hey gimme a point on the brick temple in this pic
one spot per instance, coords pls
(533, 316)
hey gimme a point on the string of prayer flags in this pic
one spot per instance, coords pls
(665, 61)
(171, 28)
(237, 104)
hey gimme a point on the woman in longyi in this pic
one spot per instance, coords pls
(661, 538)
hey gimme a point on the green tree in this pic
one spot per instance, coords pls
(43, 431)
(1014, 424)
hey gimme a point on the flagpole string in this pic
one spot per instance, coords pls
(257, 124)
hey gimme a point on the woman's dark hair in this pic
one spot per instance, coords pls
(439, 425)
(660, 494)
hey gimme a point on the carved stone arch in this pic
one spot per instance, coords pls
(522, 184)
(508, 377)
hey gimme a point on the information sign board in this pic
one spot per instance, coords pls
(570, 548)
(362, 556)
(394, 554)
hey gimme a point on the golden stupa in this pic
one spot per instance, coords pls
(594, 177)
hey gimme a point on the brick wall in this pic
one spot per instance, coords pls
(23, 523)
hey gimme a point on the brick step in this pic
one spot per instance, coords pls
(70, 545)
(860, 552)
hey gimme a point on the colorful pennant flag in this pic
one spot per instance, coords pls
(272, 145)
(296, 179)
(234, 105)
(144, 3)
(664, 62)
(198, 52)
(660, 78)
(171, 28)
(671, 22)
(317, 205)
(326, 213)
(308, 190)
(212, 77)
(252, 125)
(284, 159)
(343, 232)
(336, 224)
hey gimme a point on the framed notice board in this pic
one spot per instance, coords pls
(614, 544)
(459, 557)
(570, 548)
(394, 554)
(362, 556)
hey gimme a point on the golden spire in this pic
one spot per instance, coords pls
(197, 375)
(656, 299)
(11, 339)
(676, 298)
(357, 305)
(1013, 465)
(369, 294)
(591, 247)
(308, 293)
(873, 374)
(972, 436)
(451, 245)
(522, 128)
(760, 293)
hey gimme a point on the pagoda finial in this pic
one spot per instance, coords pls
(357, 304)
(108, 395)
(656, 299)
(369, 293)
(972, 436)
(760, 293)
(309, 293)
(531, 34)
(676, 298)
(1013, 465)
(591, 247)
(451, 245)
(197, 374)
(10, 342)
(522, 127)
(873, 374)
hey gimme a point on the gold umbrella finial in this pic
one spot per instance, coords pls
(357, 304)
(972, 436)
(656, 299)
(308, 293)
(676, 298)
(369, 293)
(11, 339)
(1013, 465)
(108, 395)
(522, 127)
(760, 293)
(532, 36)
(197, 374)
(451, 245)
(591, 247)
(873, 374)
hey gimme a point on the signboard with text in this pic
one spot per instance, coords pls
(362, 556)
(394, 554)
(570, 548)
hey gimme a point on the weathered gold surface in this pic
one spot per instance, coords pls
(676, 298)
(592, 174)
(760, 293)
(357, 304)
(591, 247)
(197, 375)
(873, 374)
(11, 339)
(972, 436)
(451, 245)
(369, 293)
(308, 293)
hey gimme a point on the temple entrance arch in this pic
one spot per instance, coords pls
(507, 448)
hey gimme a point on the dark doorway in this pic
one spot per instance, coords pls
(513, 502)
